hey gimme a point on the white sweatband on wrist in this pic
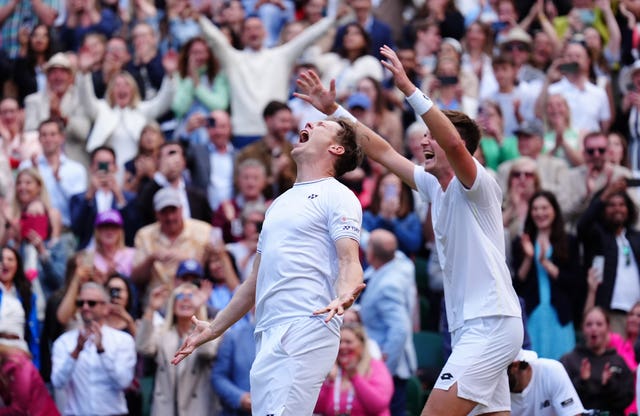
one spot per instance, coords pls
(419, 102)
(342, 112)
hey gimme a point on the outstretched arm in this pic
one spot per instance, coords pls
(241, 303)
(441, 128)
(373, 145)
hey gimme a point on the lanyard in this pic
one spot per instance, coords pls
(337, 385)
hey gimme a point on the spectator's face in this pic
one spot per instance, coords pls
(557, 107)
(198, 55)
(542, 213)
(367, 87)
(252, 225)
(361, 6)
(592, 39)
(253, 33)
(505, 74)
(143, 39)
(27, 189)
(595, 329)
(9, 111)
(91, 296)
(101, 159)
(251, 182)
(280, 124)
(615, 150)
(353, 39)
(118, 291)
(170, 219)
(291, 30)
(122, 92)
(529, 145)
(522, 179)
(184, 307)
(476, 37)
(351, 348)
(51, 138)
(59, 80)
(96, 47)
(220, 134)
(616, 212)
(117, 52)
(408, 60)
(506, 12)
(633, 320)
(313, 10)
(577, 53)
(430, 37)
(542, 49)
(109, 236)
(9, 267)
(518, 51)
(39, 39)
(233, 13)
(595, 150)
(151, 139)
(171, 162)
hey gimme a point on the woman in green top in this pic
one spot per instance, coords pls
(495, 146)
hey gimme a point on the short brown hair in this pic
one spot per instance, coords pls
(352, 156)
(466, 127)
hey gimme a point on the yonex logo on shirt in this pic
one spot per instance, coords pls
(446, 376)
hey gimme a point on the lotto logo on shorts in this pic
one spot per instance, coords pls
(446, 376)
(566, 402)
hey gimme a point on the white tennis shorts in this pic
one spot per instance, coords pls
(292, 361)
(483, 348)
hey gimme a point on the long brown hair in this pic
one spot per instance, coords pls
(183, 59)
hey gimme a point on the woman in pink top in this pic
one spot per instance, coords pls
(358, 385)
(624, 346)
(110, 254)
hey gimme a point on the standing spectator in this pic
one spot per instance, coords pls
(213, 162)
(631, 110)
(244, 250)
(624, 346)
(181, 390)
(516, 45)
(120, 117)
(601, 377)
(447, 15)
(230, 374)
(183, 22)
(60, 100)
(140, 169)
(17, 144)
(496, 146)
(387, 307)
(582, 182)
(28, 71)
(378, 31)
(618, 150)
(146, 64)
(201, 88)
(477, 57)
(257, 75)
(385, 121)
(561, 139)
(86, 16)
(116, 57)
(523, 182)
(161, 246)
(170, 174)
(357, 385)
(103, 194)
(94, 361)
(607, 229)
(15, 14)
(545, 262)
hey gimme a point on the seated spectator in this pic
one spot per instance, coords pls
(386, 122)
(17, 144)
(19, 326)
(624, 346)
(496, 146)
(618, 150)
(22, 390)
(534, 380)
(183, 22)
(392, 209)
(94, 361)
(116, 57)
(60, 100)
(524, 181)
(140, 169)
(359, 384)
(546, 266)
(170, 174)
(601, 377)
(561, 139)
(201, 87)
(244, 250)
(104, 193)
(476, 57)
(161, 246)
(109, 254)
(177, 390)
(446, 85)
(120, 117)
(250, 182)
(230, 373)
(146, 66)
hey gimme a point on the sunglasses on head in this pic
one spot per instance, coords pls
(521, 174)
(592, 150)
(92, 303)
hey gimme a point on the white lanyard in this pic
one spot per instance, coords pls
(337, 385)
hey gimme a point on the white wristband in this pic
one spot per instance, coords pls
(342, 112)
(420, 102)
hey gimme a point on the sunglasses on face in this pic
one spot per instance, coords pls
(592, 150)
(181, 296)
(92, 303)
(515, 47)
(521, 174)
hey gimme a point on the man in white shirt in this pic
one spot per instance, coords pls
(95, 363)
(483, 311)
(541, 387)
(307, 264)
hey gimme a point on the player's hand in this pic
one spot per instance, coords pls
(394, 65)
(200, 334)
(315, 93)
(341, 303)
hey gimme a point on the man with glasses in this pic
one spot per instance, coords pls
(582, 182)
(93, 364)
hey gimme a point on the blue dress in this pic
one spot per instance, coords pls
(548, 337)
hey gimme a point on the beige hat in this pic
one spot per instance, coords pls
(166, 197)
(59, 60)
(516, 34)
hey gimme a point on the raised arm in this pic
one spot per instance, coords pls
(441, 128)
(372, 143)
(240, 304)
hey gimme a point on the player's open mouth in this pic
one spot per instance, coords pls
(304, 136)
(428, 154)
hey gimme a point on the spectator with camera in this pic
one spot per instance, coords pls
(104, 193)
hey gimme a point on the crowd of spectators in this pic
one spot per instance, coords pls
(142, 141)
